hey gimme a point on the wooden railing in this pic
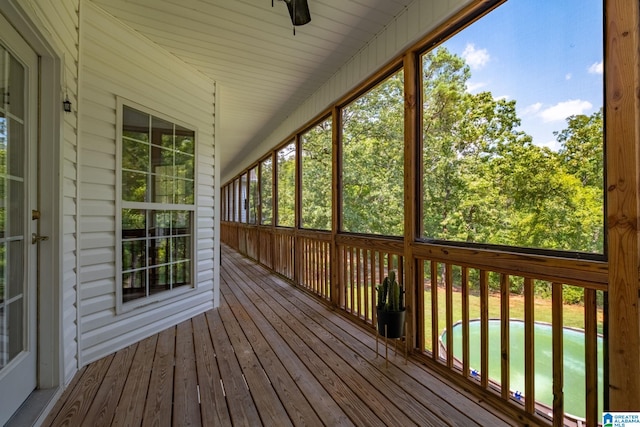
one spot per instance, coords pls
(363, 263)
(467, 306)
(315, 262)
(503, 291)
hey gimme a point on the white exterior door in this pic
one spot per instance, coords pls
(18, 197)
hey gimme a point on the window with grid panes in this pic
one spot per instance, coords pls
(157, 205)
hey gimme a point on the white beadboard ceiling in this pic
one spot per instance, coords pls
(248, 48)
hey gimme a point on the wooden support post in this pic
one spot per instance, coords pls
(622, 135)
(336, 206)
(411, 193)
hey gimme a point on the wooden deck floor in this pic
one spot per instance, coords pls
(270, 355)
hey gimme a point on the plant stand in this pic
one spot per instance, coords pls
(386, 345)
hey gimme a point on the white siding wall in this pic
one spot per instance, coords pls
(421, 17)
(58, 21)
(116, 61)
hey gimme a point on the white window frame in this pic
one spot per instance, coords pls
(121, 306)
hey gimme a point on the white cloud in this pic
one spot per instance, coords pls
(474, 86)
(564, 109)
(553, 145)
(476, 58)
(532, 109)
(596, 68)
(568, 76)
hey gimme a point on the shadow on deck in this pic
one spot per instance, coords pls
(270, 355)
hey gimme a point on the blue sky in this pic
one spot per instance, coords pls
(545, 54)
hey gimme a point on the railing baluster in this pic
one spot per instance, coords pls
(358, 281)
(374, 313)
(591, 355)
(465, 322)
(366, 283)
(420, 309)
(352, 278)
(529, 358)
(449, 312)
(558, 364)
(484, 328)
(435, 336)
(345, 275)
(504, 336)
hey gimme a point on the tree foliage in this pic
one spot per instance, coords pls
(316, 176)
(484, 180)
(373, 160)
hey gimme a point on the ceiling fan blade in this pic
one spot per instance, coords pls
(298, 11)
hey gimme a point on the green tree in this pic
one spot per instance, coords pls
(286, 173)
(373, 160)
(266, 191)
(316, 176)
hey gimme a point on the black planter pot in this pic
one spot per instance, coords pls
(393, 320)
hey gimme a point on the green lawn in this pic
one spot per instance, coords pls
(573, 315)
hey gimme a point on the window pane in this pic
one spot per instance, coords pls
(134, 186)
(161, 223)
(16, 89)
(373, 160)
(159, 279)
(286, 185)
(236, 200)
(181, 274)
(184, 165)
(184, 191)
(162, 189)
(181, 222)
(134, 285)
(244, 202)
(185, 139)
(162, 133)
(15, 200)
(316, 177)
(513, 129)
(253, 195)
(133, 254)
(135, 155)
(159, 251)
(181, 248)
(135, 124)
(3, 138)
(266, 191)
(162, 161)
(133, 223)
(16, 150)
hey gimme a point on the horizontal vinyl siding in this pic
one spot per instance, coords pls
(421, 17)
(118, 62)
(59, 21)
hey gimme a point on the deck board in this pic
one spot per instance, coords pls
(132, 402)
(270, 355)
(242, 408)
(186, 407)
(293, 398)
(213, 409)
(103, 407)
(157, 411)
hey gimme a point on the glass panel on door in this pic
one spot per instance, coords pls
(12, 209)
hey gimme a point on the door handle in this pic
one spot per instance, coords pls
(36, 238)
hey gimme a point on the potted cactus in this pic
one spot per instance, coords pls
(390, 307)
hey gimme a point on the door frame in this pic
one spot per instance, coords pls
(50, 365)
